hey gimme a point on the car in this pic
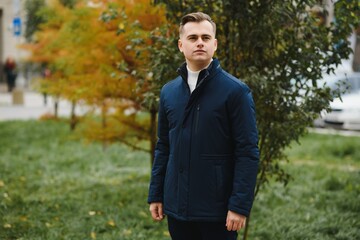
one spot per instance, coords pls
(345, 112)
(346, 82)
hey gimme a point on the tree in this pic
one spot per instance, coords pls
(33, 20)
(98, 56)
(164, 60)
(280, 49)
(69, 3)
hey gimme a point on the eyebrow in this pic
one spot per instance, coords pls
(202, 35)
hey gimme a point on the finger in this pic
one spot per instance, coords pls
(229, 225)
(235, 226)
(154, 214)
(227, 222)
(160, 212)
(243, 224)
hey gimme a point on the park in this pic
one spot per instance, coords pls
(86, 175)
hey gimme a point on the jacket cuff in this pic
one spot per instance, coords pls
(152, 199)
(239, 211)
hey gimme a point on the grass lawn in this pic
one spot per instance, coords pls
(53, 186)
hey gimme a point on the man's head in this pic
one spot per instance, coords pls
(197, 40)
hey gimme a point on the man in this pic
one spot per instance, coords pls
(206, 158)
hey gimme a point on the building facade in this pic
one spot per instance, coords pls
(12, 20)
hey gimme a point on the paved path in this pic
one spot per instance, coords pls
(32, 108)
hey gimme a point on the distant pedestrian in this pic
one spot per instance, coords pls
(10, 73)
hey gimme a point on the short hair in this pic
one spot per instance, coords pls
(196, 17)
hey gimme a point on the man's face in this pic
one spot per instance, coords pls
(197, 42)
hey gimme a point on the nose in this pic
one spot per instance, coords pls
(199, 43)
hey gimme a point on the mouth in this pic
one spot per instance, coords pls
(199, 51)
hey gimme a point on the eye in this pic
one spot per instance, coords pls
(206, 38)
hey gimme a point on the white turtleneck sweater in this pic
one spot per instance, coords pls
(193, 77)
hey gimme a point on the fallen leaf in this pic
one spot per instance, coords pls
(111, 223)
(7, 225)
(93, 235)
(92, 213)
(2, 183)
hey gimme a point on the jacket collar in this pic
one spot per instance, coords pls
(209, 71)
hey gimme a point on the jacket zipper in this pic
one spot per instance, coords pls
(197, 118)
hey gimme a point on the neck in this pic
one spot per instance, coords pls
(198, 67)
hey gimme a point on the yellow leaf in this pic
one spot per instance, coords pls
(93, 235)
(166, 233)
(111, 223)
(7, 225)
(47, 224)
(23, 218)
(2, 183)
(92, 213)
(121, 26)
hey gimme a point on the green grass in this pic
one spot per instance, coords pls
(53, 186)
(323, 199)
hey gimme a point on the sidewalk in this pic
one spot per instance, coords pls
(33, 107)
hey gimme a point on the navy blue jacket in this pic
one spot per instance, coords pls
(206, 158)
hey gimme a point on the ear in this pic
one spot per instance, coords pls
(215, 43)
(180, 45)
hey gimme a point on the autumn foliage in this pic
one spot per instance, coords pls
(97, 55)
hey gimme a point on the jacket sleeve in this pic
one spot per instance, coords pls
(246, 153)
(156, 188)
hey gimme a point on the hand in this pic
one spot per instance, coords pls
(156, 209)
(235, 221)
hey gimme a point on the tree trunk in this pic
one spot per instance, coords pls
(246, 230)
(104, 124)
(73, 120)
(356, 62)
(56, 107)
